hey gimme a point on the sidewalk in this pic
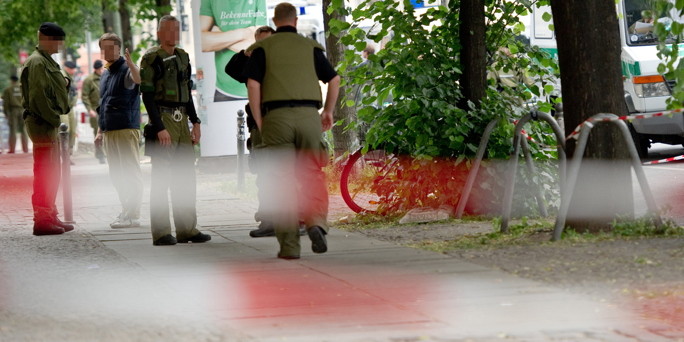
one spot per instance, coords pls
(102, 284)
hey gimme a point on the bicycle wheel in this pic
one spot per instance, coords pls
(361, 182)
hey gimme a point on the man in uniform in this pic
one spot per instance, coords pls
(11, 105)
(119, 128)
(70, 69)
(90, 94)
(283, 74)
(165, 84)
(45, 95)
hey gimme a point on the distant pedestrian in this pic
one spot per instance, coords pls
(90, 94)
(119, 128)
(11, 105)
(283, 74)
(165, 71)
(70, 71)
(45, 93)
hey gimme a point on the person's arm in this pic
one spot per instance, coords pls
(254, 95)
(135, 71)
(215, 41)
(5, 102)
(330, 102)
(236, 66)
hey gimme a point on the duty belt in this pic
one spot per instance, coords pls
(175, 112)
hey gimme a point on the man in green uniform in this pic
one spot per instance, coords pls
(11, 105)
(236, 22)
(70, 69)
(165, 84)
(44, 90)
(90, 94)
(283, 78)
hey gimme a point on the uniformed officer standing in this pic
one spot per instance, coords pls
(11, 105)
(70, 69)
(165, 72)
(90, 94)
(45, 97)
(283, 73)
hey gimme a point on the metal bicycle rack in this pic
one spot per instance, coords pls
(519, 141)
(573, 171)
(484, 141)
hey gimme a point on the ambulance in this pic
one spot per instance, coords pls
(645, 90)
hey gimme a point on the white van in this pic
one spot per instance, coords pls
(645, 89)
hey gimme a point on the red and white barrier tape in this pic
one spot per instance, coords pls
(575, 133)
(666, 160)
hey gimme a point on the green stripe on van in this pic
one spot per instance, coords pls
(631, 69)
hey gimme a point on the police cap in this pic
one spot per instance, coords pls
(52, 30)
(70, 65)
(97, 64)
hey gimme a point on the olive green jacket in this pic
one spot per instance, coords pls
(11, 99)
(44, 88)
(90, 93)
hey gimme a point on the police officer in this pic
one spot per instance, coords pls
(11, 105)
(70, 69)
(283, 74)
(45, 97)
(165, 72)
(90, 94)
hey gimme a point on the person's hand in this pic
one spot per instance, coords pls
(127, 56)
(98, 139)
(196, 133)
(326, 120)
(93, 114)
(164, 138)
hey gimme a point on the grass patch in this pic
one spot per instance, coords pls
(522, 232)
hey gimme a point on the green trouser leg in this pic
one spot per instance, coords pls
(292, 140)
(46, 169)
(173, 169)
(16, 126)
(122, 146)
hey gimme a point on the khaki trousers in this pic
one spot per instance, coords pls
(173, 170)
(122, 147)
(295, 184)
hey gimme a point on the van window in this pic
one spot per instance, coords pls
(640, 17)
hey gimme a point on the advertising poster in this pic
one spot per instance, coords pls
(221, 29)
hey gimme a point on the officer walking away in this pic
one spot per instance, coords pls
(70, 69)
(11, 105)
(283, 76)
(90, 94)
(45, 93)
(165, 71)
(119, 128)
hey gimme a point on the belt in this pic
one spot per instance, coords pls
(294, 103)
(176, 113)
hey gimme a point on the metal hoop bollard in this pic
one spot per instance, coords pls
(573, 171)
(510, 183)
(66, 172)
(241, 150)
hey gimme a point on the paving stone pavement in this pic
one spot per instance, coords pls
(103, 284)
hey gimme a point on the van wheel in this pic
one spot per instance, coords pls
(641, 142)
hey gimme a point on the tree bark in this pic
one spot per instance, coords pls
(126, 34)
(473, 52)
(342, 139)
(588, 38)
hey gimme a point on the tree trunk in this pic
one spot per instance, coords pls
(110, 19)
(126, 34)
(473, 52)
(588, 38)
(343, 139)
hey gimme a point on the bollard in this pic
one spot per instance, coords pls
(241, 150)
(66, 172)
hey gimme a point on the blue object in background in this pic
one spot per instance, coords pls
(418, 3)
